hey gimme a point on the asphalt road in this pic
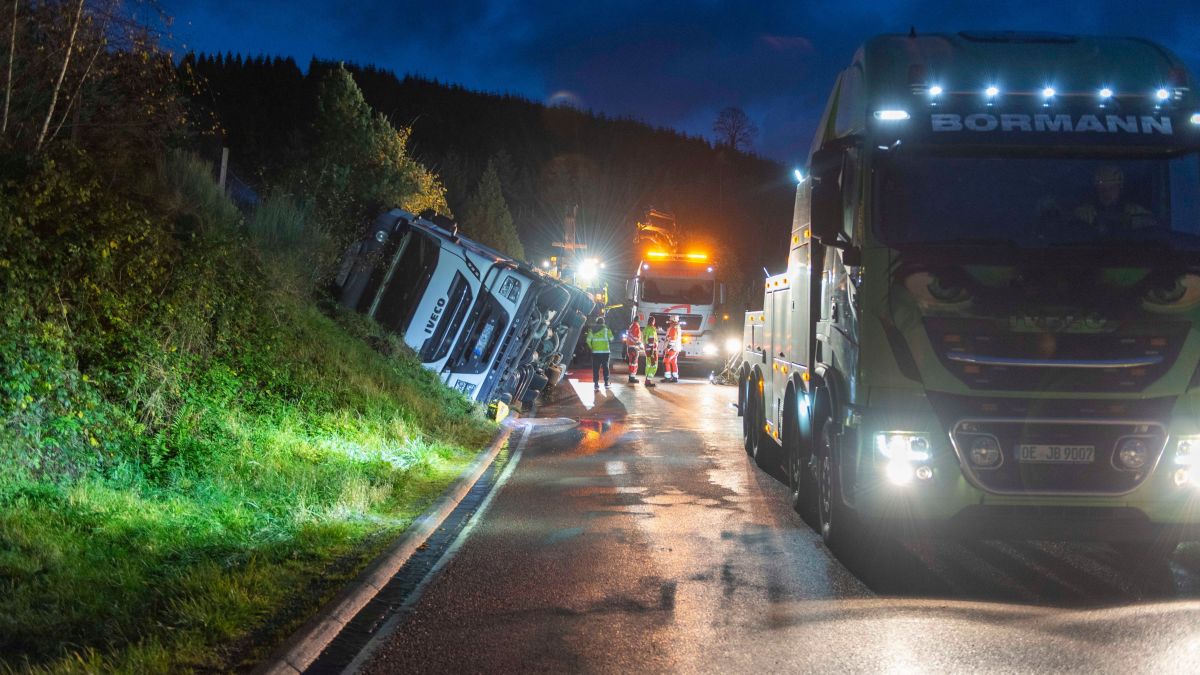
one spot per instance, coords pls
(646, 540)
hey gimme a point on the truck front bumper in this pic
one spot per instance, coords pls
(944, 499)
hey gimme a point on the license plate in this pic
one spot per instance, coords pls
(1060, 454)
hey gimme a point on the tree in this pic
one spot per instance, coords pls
(359, 163)
(488, 219)
(735, 129)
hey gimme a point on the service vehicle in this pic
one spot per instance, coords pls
(684, 284)
(493, 328)
(988, 325)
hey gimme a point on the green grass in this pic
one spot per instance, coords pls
(141, 568)
(194, 454)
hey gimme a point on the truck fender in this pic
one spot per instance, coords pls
(797, 395)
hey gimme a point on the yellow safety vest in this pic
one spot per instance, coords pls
(598, 339)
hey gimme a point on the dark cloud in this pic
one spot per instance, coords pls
(668, 63)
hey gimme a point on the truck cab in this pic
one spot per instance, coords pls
(686, 286)
(485, 323)
(988, 326)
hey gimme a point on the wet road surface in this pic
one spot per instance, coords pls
(645, 540)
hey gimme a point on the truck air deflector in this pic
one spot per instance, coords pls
(1139, 362)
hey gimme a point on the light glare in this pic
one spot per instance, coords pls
(1048, 92)
(935, 90)
(899, 473)
(992, 90)
(891, 115)
(1106, 93)
(1162, 94)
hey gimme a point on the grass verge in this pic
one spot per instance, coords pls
(195, 454)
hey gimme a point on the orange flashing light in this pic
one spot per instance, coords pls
(697, 256)
(804, 376)
(656, 254)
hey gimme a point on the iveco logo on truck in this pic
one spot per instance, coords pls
(437, 313)
(1106, 124)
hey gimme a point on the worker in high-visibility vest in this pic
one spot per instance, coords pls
(674, 340)
(599, 339)
(633, 346)
(650, 340)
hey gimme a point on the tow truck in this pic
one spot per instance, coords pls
(989, 324)
(681, 284)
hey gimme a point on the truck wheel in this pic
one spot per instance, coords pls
(798, 457)
(838, 526)
(750, 424)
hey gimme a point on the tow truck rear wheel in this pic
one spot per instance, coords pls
(837, 524)
(797, 455)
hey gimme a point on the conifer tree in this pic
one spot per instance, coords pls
(487, 218)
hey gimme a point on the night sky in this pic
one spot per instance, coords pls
(666, 63)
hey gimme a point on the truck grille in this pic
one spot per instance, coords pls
(986, 354)
(686, 321)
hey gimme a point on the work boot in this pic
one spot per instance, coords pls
(597, 387)
(650, 383)
(606, 385)
(633, 380)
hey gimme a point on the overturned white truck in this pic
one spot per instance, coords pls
(492, 327)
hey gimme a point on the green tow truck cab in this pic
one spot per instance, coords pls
(988, 326)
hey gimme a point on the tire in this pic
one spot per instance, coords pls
(797, 453)
(750, 425)
(836, 522)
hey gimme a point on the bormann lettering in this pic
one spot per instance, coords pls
(437, 312)
(1106, 124)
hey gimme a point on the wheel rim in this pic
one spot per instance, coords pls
(826, 487)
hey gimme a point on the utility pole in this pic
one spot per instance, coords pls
(224, 167)
(568, 244)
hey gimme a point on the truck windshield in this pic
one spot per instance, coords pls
(1037, 202)
(418, 256)
(678, 291)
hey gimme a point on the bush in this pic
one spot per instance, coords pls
(187, 445)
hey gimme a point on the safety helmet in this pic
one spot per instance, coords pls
(674, 319)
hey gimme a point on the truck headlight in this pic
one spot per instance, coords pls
(709, 350)
(733, 346)
(903, 445)
(1186, 449)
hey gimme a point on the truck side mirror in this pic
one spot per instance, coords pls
(826, 203)
(631, 288)
(721, 294)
